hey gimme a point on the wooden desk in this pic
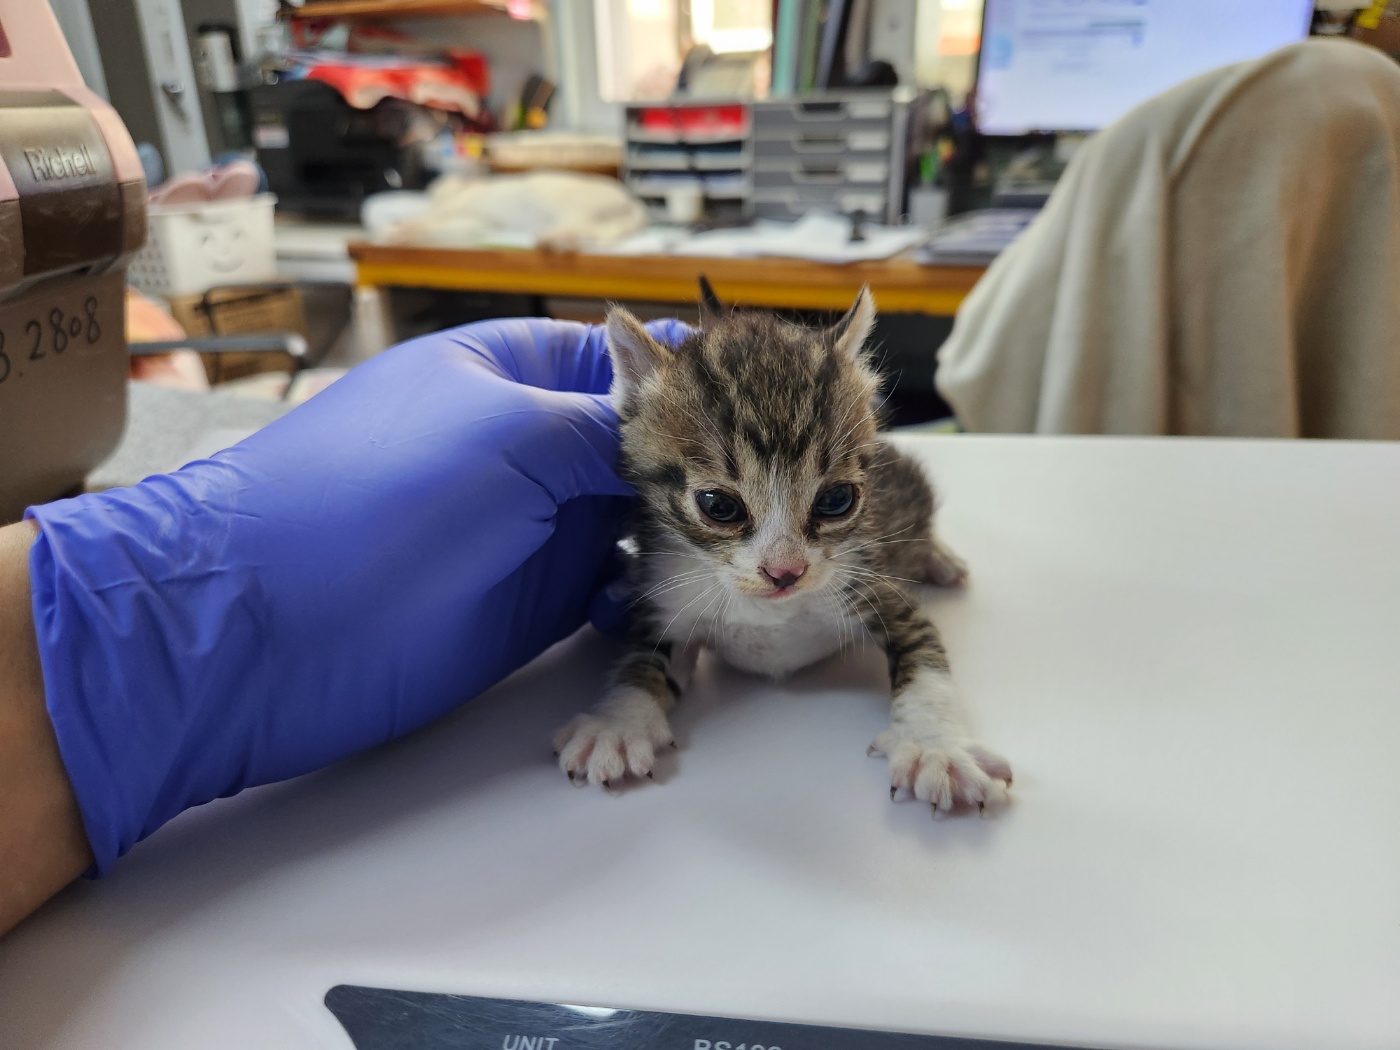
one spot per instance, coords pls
(900, 285)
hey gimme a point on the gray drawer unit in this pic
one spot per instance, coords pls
(701, 143)
(843, 152)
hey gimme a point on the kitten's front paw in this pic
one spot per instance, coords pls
(620, 737)
(941, 771)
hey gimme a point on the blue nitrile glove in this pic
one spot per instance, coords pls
(368, 562)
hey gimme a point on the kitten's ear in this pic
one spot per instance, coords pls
(851, 332)
(635, 353)
(711, 309)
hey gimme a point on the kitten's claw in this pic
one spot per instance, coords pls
(943, 773)
(893, 791)
(618, 741)
(991, 763)
(871, 751)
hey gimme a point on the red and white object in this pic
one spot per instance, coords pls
(457, 83)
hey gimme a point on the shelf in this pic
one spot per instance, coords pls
(377, 9)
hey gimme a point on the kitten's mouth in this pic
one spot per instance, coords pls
(779, 592)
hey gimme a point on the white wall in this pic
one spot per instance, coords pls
(76, 22)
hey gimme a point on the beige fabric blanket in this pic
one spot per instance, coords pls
(1223, 260)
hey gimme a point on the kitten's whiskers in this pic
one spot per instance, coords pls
(879, 540)
(703, 613)
(863, 571)
(662, 636)
(672, 583)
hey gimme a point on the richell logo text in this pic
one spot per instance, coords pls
(53, 165)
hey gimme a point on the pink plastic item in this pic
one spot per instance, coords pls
(191, 188)
(236, 180)
(35, 57)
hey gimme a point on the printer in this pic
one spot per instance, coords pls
(72, 211)
(323, 157)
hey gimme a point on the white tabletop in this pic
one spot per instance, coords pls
(316, 251)
(1187, 649)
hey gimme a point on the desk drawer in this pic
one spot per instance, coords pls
(789, 205)
(803, 145)
(822, 174)
(843, 113)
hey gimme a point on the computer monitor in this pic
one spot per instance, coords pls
(1077, 65)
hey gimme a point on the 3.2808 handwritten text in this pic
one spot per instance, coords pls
(50, 337)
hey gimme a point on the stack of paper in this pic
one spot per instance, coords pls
(977, 237)
(818, 236)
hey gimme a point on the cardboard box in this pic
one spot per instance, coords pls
(252, 310)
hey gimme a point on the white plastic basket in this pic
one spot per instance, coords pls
(194, 247)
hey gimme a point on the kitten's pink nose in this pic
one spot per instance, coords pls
(785, 574)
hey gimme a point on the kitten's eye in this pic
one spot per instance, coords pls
(720, 507)
(835, 501)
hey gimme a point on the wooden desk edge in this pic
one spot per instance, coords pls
(900, 285)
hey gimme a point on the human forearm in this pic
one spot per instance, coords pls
(303, 595)
(42, 844)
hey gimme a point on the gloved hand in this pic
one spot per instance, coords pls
(378, 556)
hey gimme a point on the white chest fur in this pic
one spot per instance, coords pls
(758, 635)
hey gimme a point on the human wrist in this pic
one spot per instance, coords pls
(121, 583)
(42, 842)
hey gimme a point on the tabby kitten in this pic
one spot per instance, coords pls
(774, 527)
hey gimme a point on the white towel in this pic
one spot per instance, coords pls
(1225, 260)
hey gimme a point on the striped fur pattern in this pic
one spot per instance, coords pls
(775, 527)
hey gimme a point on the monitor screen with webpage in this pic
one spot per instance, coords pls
(1077, 65)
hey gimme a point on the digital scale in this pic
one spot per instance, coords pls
(382, 1019)
(1187, 649)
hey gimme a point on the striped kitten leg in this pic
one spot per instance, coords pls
(931, 752)
(621, 734)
